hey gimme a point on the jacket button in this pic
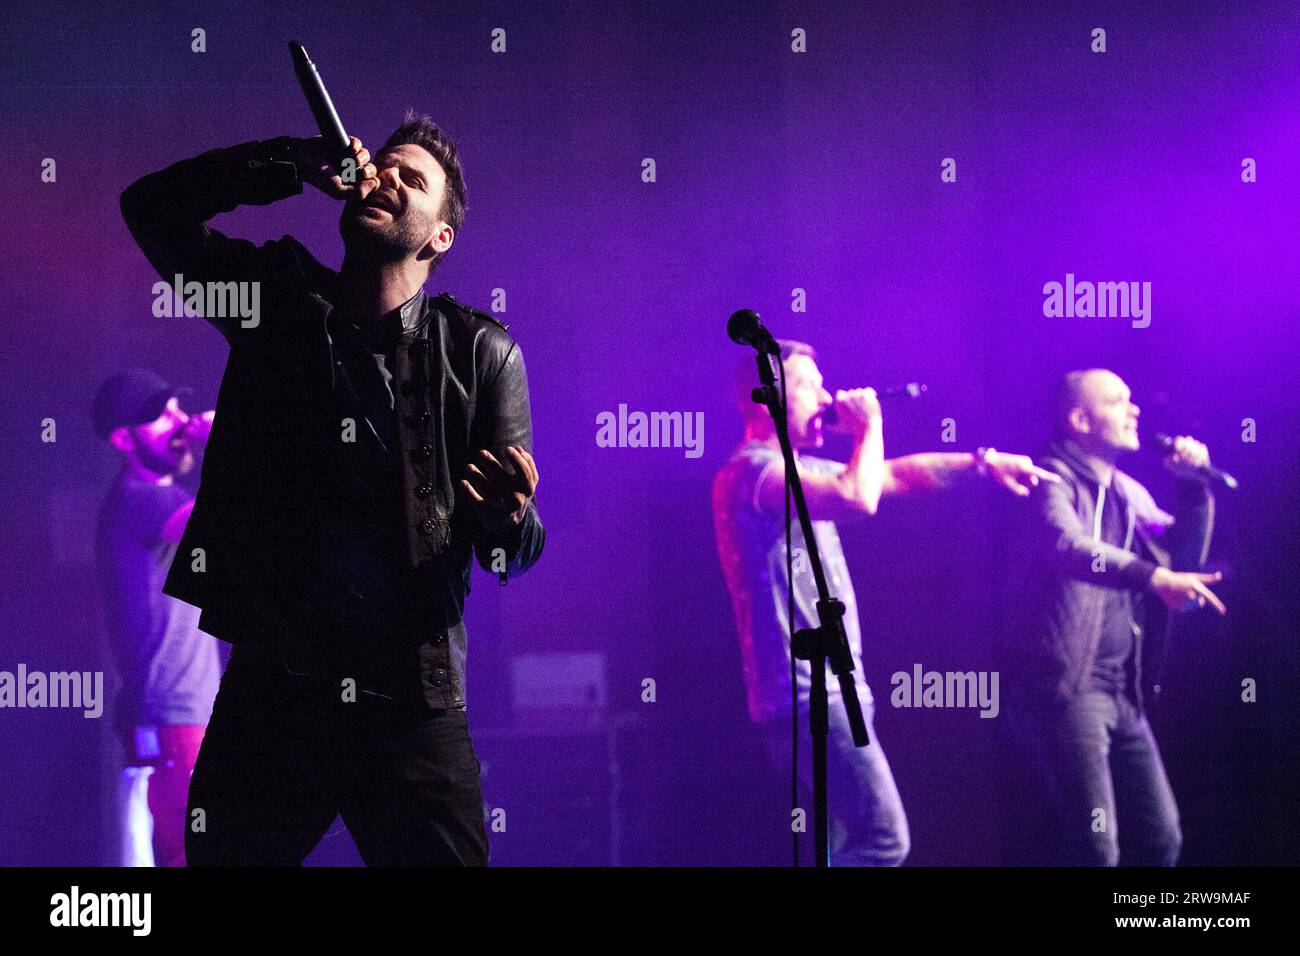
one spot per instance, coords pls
(427, 526)
(423, 453)
(424, 417)
(423, 490)
(439, 639)
(437, 677)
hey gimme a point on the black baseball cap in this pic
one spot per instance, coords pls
(132, 397)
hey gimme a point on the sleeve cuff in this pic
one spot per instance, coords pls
(513, 538)
(271, 173)
(1137, 574)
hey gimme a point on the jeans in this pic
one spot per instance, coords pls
(1107, 781)
(284, 754)
(868, 825)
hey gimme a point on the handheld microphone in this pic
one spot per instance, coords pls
(322, 107)
(746, 328)
(831, 417)
(1208, 472)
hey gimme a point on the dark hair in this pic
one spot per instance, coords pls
(422, 131)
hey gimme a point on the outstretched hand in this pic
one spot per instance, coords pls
(1017, 473)
(1184, 591)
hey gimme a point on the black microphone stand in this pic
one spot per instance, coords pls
(826, 642)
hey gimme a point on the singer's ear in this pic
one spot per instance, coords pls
(122, 439)
(439, 242)
(443, 237)
(1078, 420)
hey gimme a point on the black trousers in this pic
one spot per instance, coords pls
(284, 753)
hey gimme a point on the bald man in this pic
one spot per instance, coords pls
(1108, 567)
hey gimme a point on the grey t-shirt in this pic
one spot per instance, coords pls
(751, 545)
(169, 668)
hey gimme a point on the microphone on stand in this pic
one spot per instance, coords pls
(746, 328)
(1208, 472)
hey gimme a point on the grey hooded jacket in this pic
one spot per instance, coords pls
(1061, 595)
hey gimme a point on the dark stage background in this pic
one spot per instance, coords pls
(775, 171)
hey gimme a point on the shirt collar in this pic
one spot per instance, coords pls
(1076, 459)
(407, 319)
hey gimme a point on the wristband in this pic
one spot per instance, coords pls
(982, 456)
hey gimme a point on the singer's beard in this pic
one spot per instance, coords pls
(368, 239)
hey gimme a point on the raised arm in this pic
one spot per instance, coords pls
(167, 211)
(1189, 538)
(1186, 588)
(853, 491)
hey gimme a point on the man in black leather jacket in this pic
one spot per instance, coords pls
(367, 438)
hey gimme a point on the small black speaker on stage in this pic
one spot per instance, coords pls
(553, 795)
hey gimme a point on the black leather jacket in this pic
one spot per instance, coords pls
(260, 503)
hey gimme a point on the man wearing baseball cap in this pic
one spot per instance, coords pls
(169, 668)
